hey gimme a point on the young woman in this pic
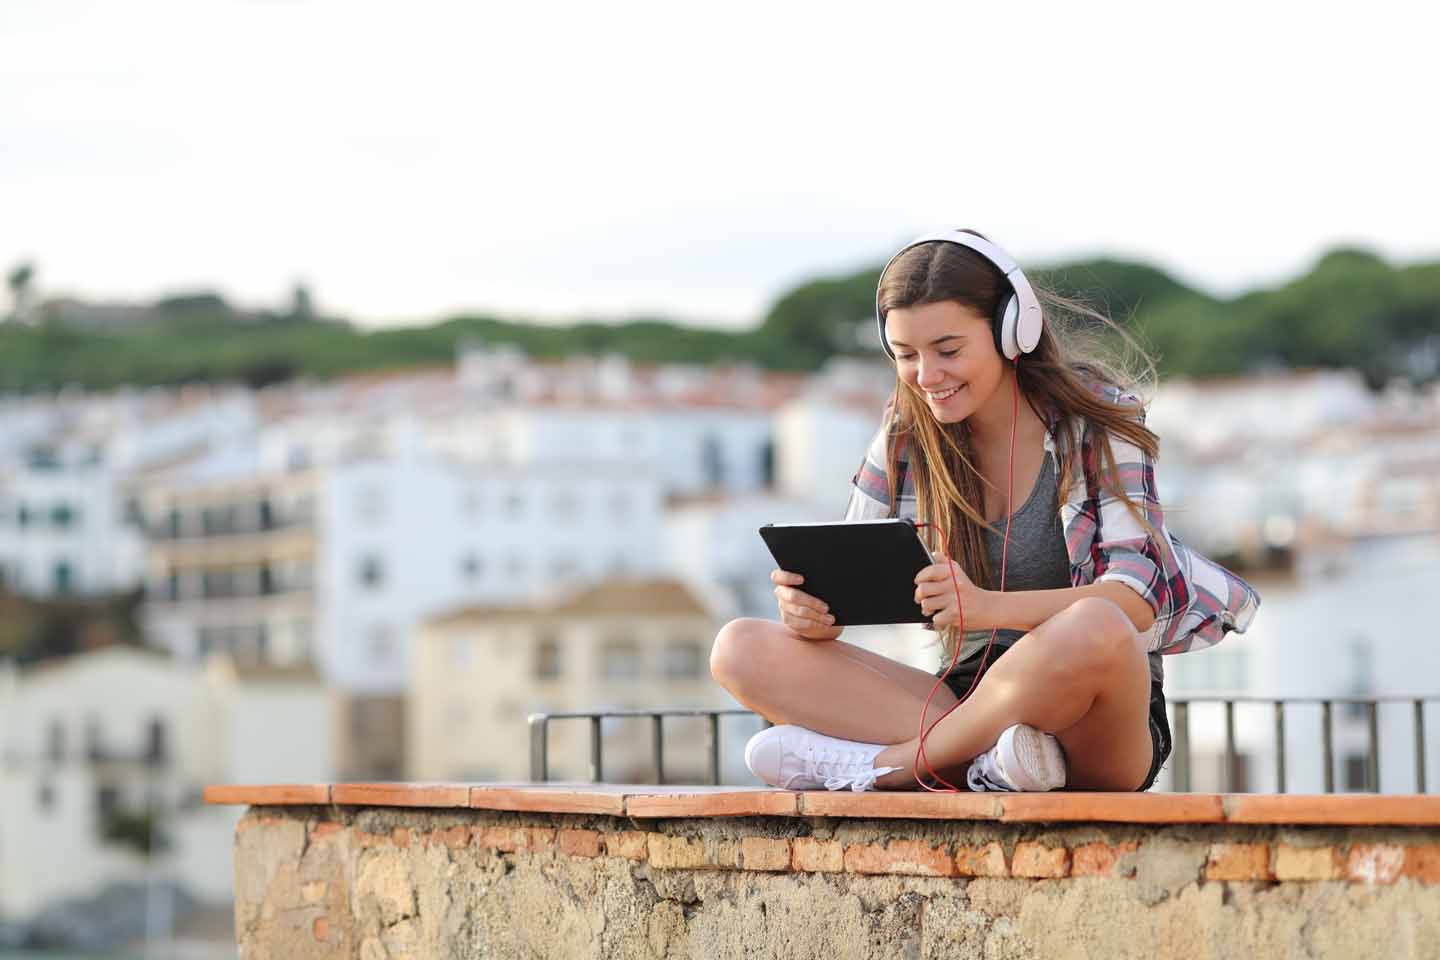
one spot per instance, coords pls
(1003, 420)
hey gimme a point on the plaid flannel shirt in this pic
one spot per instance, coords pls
(1196, 601)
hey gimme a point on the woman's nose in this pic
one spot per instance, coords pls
(929, 372)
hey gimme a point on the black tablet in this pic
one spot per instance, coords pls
(864, 569)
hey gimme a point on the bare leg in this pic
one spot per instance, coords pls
(831, 687)
(1082, 676)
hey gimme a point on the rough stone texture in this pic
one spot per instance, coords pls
(1101, 860)
(899, 856)
(1238, 861)
(385, 884)
(982, 861)
(809, 855)
(1037, 861)
(1305, 863)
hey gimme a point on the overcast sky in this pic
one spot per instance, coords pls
(413, 159)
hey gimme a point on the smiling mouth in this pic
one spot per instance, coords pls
(944, 395)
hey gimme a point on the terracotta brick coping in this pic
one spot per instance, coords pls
(643, 801)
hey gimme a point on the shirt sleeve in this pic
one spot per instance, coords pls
(1126, 550)
(870, 487)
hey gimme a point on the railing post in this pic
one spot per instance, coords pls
(596, 771)
(1229, 746)
(713, 735)
(539, 748)
(1182, 746)
(657, 741)
(1327, 738)
(1279, 746)
(1420, 746)
(1372, 764)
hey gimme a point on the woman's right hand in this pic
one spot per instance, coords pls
(807, 616)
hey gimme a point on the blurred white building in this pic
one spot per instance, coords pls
(95, 741)
(69, 470)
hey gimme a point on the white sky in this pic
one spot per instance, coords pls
(411, 159)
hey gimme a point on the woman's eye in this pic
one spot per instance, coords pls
(905, 356)
(948, 353)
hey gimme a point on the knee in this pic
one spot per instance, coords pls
(736, 651)
(1098, 634)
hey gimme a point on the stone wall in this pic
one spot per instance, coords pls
(382, 883)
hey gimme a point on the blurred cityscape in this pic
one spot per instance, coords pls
(381, 576)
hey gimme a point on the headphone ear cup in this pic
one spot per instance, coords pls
(1006, 320)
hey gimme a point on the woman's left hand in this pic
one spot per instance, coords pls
(935, 592)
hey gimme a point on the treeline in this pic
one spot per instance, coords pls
(1352, 309)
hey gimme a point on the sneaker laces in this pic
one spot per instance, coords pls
(839, 769)
(984, 775)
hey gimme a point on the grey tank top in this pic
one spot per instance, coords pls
(1038, 558)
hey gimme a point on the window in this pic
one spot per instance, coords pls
(683, 660)
(470, 567)
(712, 461)
(22, 515)
(514, 505)
(267, 583)
(55, 741)
(46, 798)
(471, 504)
(547, 659)
(515, 566)
(64, 577)
(620, 660)
(62, 515)
(265, 515)
(371, 571)
(107, 800)
(767, 463)
(174, 527)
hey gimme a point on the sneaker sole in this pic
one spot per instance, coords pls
(1032, 759)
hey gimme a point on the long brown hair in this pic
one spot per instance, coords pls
(1058, 379)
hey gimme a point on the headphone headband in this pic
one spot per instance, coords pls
(1019, 319)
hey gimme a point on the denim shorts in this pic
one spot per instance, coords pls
(960, 679)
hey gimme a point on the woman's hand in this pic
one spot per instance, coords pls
(935, 592)
(806, 615)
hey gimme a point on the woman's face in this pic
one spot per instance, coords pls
(946, 351)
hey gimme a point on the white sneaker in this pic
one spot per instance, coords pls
(794, 758)
(1023, 759)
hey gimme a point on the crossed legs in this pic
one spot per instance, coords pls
(1082, 675)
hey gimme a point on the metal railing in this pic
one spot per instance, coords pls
(1181, 760)
(540, 743)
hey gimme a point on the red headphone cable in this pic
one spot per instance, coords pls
(960, 611)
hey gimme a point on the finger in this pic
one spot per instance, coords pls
(802, 599)
(805, 613)
(786, 578)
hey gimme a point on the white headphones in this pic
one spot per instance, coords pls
(1018, 320)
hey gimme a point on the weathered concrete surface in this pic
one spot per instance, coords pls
(384, 884)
